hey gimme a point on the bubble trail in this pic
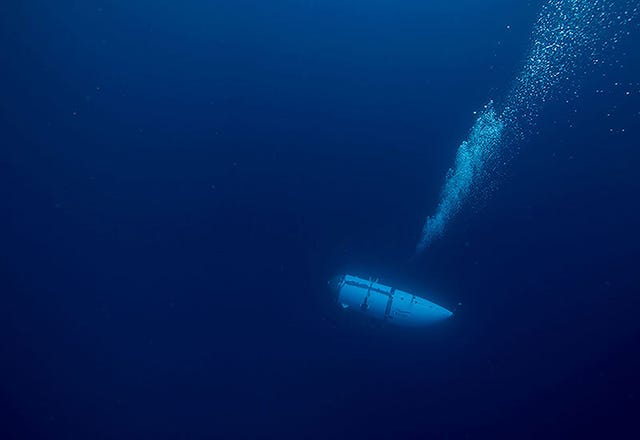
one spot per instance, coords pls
(567, 34)
(472, 154)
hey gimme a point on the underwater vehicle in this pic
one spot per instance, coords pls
(386, 303)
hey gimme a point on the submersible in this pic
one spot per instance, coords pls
(386, 303)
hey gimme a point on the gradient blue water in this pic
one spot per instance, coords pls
(178, 182)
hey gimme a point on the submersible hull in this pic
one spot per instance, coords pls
(386, 303)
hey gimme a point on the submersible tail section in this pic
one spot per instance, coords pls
(386, 303)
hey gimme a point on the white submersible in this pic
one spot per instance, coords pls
(386, 303)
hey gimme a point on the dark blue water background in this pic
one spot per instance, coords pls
(178, 181)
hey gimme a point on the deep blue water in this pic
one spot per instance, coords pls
(179, 180)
